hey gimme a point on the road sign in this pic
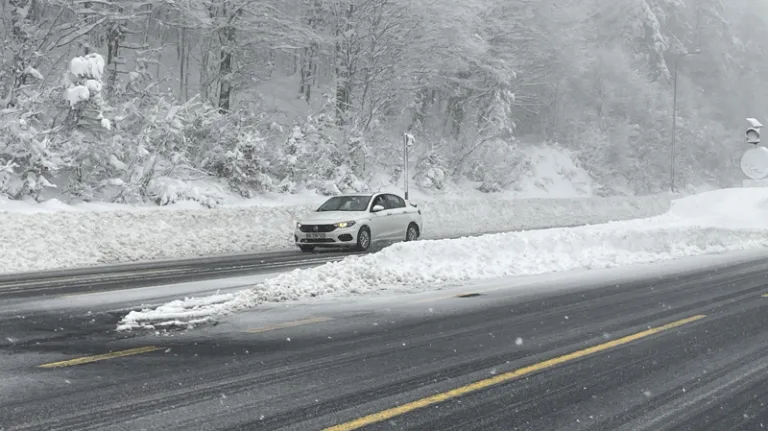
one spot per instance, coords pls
(753, 133)
(754, 163)
(753, 136)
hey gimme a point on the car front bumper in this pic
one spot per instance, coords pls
(337, 238)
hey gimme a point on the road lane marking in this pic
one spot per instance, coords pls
(502, 378)
(765, 295)
(289, 324)
(110, 355)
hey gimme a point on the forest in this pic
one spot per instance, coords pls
(120, 100)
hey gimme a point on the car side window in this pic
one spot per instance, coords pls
(395, 201)
(379, 201)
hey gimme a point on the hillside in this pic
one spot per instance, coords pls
(134, 101)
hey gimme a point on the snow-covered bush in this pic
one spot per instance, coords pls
(165, 191)
(323, 157)
(246, 165)
(29, 157)
(232, 148)
(84, 85)
(431, 171)
(26, 158)
(497, 165)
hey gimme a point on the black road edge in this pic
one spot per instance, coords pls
(103, 278)
(144, 274)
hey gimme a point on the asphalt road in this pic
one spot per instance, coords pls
(152, 273)
(688, 352)
(143, 274)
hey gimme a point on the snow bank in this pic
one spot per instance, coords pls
(59, 239)
(452, 217)
(707, 223)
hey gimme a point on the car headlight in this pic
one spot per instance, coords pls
(345, 224)
(298, 225)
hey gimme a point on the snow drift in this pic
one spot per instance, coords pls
(713, 222)
(60, 239)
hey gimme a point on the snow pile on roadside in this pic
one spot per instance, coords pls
(685, 230)
(490, 215)
(31, 241)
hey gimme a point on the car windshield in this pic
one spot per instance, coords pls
(345, 203)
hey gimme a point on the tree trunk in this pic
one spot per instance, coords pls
(225, 89)
(225, 68)
(308, 63)
(343, 66)
(455, 115)
(182, 59)
(21, 39)
(186, 71)
(305, 72)
(113, 45)
(204, 60)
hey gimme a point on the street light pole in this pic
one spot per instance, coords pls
(674, 118)
(674, 129)
(408, 141)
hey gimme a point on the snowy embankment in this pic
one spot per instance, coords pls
(54, 238)
(712, 222)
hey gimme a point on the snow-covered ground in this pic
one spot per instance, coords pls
(711, 222)
(54, 235)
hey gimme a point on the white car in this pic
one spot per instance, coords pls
(358, 220)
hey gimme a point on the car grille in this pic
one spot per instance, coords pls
(317, 228)
(318, 240)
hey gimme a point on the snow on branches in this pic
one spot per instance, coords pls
(84, 88)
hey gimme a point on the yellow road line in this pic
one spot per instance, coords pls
(289, 324)
(765, 295)
(111, 355)
(501, 378)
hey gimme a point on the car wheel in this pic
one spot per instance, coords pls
(307, 248)
(363, 238)
(412, 233)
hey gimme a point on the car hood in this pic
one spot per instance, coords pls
(328, 217)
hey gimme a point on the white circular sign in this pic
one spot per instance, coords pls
(754, 163)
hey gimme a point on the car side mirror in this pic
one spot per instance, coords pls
(377, 208)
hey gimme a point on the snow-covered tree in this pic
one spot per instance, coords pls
(284, 94)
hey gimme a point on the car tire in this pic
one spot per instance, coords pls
(412, 233)
(307, 248)
(363, 239)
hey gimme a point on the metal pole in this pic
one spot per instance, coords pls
(405, 165)
(674, 129)
(674, 118)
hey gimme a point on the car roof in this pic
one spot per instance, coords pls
(355, 194)
(368, 194)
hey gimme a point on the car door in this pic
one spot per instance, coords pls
(380, 223)
(397, 220)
